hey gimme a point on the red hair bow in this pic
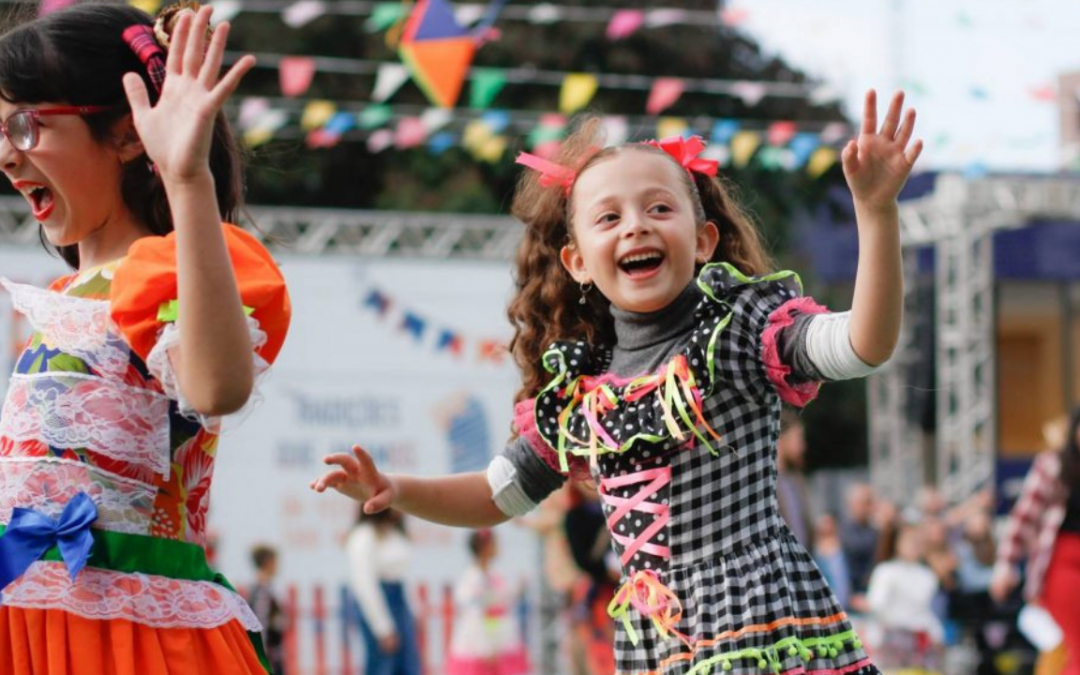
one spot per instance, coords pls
(686, 151)
(551, 174)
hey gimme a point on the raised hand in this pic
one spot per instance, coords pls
(357, 476)
(177, 132)
(878, 163)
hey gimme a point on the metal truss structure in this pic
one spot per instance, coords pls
(326, 231)
(958, 220)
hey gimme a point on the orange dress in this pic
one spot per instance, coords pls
(94, 424)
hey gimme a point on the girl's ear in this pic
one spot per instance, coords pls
(708, 236)
(574, 263)
(128, 144)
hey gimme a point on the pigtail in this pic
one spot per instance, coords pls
(740, 241)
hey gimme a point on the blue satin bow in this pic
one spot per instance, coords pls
(30, 534)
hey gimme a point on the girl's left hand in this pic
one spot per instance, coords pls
(177, 132)
(878, 163)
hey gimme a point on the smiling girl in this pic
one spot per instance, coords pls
(671, 349)
(111, 128)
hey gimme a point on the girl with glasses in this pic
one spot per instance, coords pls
(110, 127)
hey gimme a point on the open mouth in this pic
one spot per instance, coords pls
(41, 200)
(641, 264)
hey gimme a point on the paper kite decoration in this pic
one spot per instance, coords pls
(438, 51)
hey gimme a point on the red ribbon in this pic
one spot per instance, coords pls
(686, 151)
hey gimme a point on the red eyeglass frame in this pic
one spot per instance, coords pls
(39, 112)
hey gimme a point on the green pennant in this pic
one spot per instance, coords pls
(384, 15)
(374, 116)
(486, 85)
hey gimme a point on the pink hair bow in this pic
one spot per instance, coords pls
(686, 151)
(551, 174)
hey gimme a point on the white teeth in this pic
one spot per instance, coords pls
(641, 257)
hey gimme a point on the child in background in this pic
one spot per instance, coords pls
(487, 637)
(901, 597)
(268, 610)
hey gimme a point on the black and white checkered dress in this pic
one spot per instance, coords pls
(706, 525)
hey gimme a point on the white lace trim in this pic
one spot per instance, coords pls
(160, 366)
(77, 326)
(70, 410)
(146, 599)
(47, 484)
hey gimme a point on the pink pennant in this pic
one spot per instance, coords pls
(547, 150)
(1045, 93)
(379, 140)
(410, 132)
(321, 138)
(781, 132)
(625, 23)
(50, 6)
(733, 17)
(665, 92)
(295, 74)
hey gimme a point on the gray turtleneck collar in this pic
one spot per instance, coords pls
(644, 341)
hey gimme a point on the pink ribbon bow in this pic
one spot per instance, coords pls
(551, 174)
(686, 151)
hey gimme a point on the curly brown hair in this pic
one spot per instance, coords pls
(546, 306)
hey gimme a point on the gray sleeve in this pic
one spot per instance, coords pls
(520, 479)
(792, 346)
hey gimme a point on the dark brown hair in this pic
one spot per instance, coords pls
(78, 56)
(545, 307)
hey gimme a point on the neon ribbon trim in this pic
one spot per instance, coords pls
(651, 598)
(680, 396)
(657, 478)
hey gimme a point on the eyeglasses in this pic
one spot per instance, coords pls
(21, 126)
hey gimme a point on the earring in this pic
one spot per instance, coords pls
(585, 287)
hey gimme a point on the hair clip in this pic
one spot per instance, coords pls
(142, 41)
(685, 151)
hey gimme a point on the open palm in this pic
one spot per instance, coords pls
(878, 162)
(357, 476)
(177, 132)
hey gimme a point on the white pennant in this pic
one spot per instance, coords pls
(388, 80)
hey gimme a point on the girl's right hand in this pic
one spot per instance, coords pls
(356, 476)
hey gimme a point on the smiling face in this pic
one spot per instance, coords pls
(71, 180)
(635, 230)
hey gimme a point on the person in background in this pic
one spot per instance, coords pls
(267, 609)
(901, 600)
(829, 555)
(487, 636)
(378, 552)
(791, 493)
(1044, 529)
(859, 537)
